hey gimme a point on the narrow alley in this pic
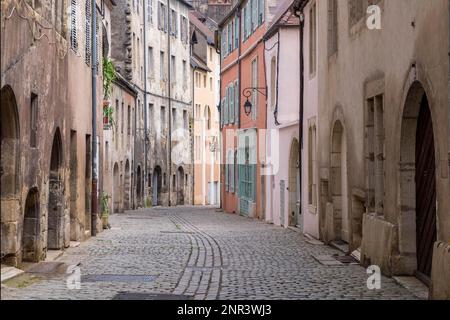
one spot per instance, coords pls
(198, 253)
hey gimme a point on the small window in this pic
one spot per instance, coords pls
(33, 120)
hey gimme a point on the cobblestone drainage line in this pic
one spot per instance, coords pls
(149, 296)
(117, 278)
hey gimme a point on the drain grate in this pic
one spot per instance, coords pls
(149, 296)
(117, 278)
(347, 259)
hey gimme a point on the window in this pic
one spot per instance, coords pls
(150, 116)
(197, 111)
(129, 121)
(173, 23)
(356, 8)
(210, 54)
(161, 66)
(150, 11)
(204, 81)
(173, 71)
(208, 117)
(273, 77)
(261, 7)
(184, 74)
(254, 15)
(87, 54)
(151, 62)
(116, 127)
(162, 17)
(210, 83)
(312, 166)
(121, 119)
(185, 120)
(163, 119)
(236, 101)
(73, 25)
(236, 32)
(33, 120)
(375, 154)
(231, 102)
(184, 30)
(255, 85)
(174, 118)
(332, 27)
(312, 39)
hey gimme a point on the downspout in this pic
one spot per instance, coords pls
(219, 52)
(145, 168)
(192, 134)
(169, 82)
(300, 15)
(94, 66)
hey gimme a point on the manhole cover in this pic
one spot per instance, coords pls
(178, 232)
(47, 268)
(117, 278)
(149, 296)
(345, 259)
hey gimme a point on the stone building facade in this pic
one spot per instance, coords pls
(382, 178)
(151, 51)
(46, 132)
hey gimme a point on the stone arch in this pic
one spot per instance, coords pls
(116, 188)
(418, 182)
(55, 215)
(340, 220)
(127, 186)
(294, 184)
(180, 186)
(157, 186)
(9, 172)
(31, 227)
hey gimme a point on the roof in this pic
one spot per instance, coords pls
(231, 13)
(202, 27)
(284, 16)
(198, 64)
(186, 3)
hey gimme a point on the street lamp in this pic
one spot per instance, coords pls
(247, 92)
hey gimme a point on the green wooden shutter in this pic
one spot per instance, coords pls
(236, 102)
(231, 99)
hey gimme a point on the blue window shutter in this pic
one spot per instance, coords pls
(231, 99)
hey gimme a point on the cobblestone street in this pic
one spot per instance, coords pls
(200, 253)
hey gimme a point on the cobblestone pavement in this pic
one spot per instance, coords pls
(200, 253)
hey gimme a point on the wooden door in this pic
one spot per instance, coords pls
(425, 190)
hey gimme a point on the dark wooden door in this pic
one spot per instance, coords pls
(425, 190)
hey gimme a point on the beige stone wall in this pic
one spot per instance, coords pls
(390, 62)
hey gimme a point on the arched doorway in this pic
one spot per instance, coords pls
(55, 231)
(418, 181)
(116, 188)
(339, 187)
(30, 233)
(139, 186)
(294, 184)
(156, 185)
(180, 186)
(9, 170)
(127, 186)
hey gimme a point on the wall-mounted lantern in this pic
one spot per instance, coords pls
(247, 92)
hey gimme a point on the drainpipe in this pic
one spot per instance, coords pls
(94, 66)
(300, 15)
(169, 148)
(145, 169)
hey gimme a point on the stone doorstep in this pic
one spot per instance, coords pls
(413, 285)
(9, 273)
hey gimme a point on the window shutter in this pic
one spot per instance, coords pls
(73, 25)
(226, 172)
(232, 173)
(261, 10)
(236, 102)
(226, 107)
(222, 112)
(254, 15)
(231, 99)
(87, 55)
(236, 33)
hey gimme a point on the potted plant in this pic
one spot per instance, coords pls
(108, 115)
(109, 75)
(105, 210)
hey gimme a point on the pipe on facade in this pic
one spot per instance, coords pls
(145, 166)
(169, 94)
(298, 10)
(94, 160)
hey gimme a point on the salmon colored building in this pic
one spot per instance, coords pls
(242, 78)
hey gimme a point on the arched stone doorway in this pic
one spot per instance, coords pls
(418, 231)
(294, 184)
(31, 230)
(156, 186)
(127, 186)
(180, 186)
(55, 217)
(116, 188)
(9, 173)
(139, 186)
(339, 184)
